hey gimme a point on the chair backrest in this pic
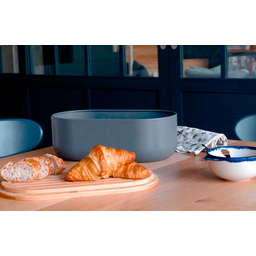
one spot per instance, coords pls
(245, 128)
(18, 136)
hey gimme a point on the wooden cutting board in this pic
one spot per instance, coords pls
(56, 187)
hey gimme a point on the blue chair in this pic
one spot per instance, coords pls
(245, 128)
(18, 136)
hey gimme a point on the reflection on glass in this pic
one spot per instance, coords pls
(201, 61)
(142, 60)
(9, 61)
(71, 60)
(241, 61)
(41, 58)
(105, 60)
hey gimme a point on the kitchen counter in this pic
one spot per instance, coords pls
(185, 184)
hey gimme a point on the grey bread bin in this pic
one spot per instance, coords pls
(151, 134)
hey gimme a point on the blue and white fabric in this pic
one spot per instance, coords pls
(190, 140)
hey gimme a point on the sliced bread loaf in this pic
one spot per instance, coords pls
(33, 168)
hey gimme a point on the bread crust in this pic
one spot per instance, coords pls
(47, 162)
(60, 164)
(50, 165)
(9, 164)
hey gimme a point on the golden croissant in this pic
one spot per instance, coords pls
(102, 162)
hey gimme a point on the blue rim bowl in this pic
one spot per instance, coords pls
(211, 157)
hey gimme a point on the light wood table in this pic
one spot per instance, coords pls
(185, 184)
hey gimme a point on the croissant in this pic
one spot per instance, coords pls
(132, 171)
(101, 162)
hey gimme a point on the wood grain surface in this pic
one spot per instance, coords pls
(185, 183)
(56, 187)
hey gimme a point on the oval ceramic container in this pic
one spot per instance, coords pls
(151, 134)
(238, 165)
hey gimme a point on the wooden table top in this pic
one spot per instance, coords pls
(185, 184)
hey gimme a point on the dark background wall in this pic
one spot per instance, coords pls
(211, 104)
(37, 93)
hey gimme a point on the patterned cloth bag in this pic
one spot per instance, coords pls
(190, 140)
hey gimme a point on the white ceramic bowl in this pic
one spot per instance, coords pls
(239, 165)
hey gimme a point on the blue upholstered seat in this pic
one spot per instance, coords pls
(18, 136)
(245, 128)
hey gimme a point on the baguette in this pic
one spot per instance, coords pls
(23, 171)
(33, 168)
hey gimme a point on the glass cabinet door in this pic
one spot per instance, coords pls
(201, 61)
(142, 60)
(105, 60)
(102, 60)
(71, 59)
(41, 59)
(241, 61)
(204, 61)
(9, 60)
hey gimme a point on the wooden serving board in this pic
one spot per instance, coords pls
(56, 187)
